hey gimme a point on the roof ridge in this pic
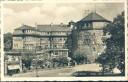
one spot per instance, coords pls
(100, 16)
(25, 27)
(50, 24)
(94, 16)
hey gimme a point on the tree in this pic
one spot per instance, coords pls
(114, 55)
(83, 55)
(60, 60)
(8, 41)
(27, 60)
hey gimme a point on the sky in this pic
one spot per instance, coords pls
(15, 15)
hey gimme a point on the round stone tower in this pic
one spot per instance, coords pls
(89, 35)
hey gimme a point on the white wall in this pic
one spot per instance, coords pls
(99, 24)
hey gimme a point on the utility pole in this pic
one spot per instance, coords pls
(36, 52)
(95, 8)
(50, 39)
(22, 52)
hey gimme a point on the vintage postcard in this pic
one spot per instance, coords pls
(0, 42)
(64, 40)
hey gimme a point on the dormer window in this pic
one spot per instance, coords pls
(87, 24)
(23, 31)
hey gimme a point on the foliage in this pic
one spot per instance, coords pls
(82, 55)
(8, 41)
(115, 54)
(27, 60)
(60, 60)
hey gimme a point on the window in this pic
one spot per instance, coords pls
(64, 39)
(87, 24)
(54, 46)
(64, 46)
(16, 45)
(94, 34)
(64, 53)
(59, 46)
(48, 32)
(23, 31)
(46, 46)
(94, 49)
(52, 39)
(56, 53)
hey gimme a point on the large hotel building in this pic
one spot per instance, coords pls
(48, 39)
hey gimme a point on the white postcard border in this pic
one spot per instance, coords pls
(117, 78)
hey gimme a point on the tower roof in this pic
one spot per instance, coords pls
(94, 17)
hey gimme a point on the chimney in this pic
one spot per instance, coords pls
(51, 24)
(61, 24)
(71, 24)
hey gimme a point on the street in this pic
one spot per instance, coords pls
(60, 72)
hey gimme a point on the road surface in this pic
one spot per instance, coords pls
(63, 72)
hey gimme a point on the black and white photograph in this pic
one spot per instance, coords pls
(64, 39)
(0, 42)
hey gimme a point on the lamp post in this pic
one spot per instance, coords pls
(37, 68)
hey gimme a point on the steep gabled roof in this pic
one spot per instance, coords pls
(56, 27)
(94, 17)
(26, 27)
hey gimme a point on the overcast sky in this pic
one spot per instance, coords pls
(23, 13)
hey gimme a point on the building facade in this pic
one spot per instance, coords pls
(50, 40)
(53, 41)
(88, 35)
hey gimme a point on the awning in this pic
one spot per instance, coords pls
(12, 67)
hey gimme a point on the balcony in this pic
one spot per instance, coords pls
(25, 34)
